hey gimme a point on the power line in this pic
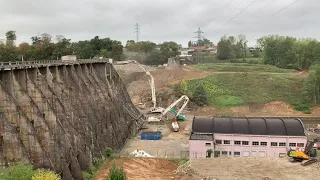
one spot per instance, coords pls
(259, 10)
(231, 10)
(262, 19)
(236, 7)
(285, 7)
(252, 2)
(137, 31)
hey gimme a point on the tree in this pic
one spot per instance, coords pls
(224, 49)
(231, 47)
(11, 37)
(130, 43)
(289, 52)
(24, 50)
(117, 50)
(200, 96)
(169, 49)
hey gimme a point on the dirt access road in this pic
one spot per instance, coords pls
(143, 169)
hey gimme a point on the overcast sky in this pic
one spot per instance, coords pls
(160, 20)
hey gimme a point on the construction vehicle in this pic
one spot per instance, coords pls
(175, 125)
(310, 155)
(154, 109)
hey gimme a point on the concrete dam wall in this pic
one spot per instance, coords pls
(62, 116)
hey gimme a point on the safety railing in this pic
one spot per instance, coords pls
(48, 62)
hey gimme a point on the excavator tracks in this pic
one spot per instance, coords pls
(308, 162)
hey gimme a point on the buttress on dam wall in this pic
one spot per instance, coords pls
(63, 116)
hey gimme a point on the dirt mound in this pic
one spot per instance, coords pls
(276, 107)
(143, 169)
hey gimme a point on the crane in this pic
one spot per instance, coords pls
(175, 125)
(154, 109)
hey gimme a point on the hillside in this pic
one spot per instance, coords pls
(236, 89)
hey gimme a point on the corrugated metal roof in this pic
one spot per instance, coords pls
(255, 126)
(201, 137)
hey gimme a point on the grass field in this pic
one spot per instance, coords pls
(246, 83)
(251, 60)
(241, 67)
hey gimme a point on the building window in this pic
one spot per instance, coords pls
(255, 143)
(245, 143)
(282, 144)
(237, 142)
(218, 142)
(224, 153)
(236, 154)
(292, 144)
(229, 153)
(274, 144)
(263, 143)
(226, 142)
(300, 144)
(208, 144)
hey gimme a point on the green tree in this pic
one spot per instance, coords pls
(200, 96)
(130, 44)
(311, 88)
(11, 37)
(224, 49)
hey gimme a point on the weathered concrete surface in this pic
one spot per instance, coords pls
(63, 116)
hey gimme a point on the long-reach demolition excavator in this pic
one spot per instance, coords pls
(154, 109)
(175, 125)
(310, 155)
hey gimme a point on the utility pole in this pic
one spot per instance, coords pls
(199, 57)
(137, 31)
(199, 34)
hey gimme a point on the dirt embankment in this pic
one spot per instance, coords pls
(140, 92)
(143, 169)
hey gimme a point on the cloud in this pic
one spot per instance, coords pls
(160, 20)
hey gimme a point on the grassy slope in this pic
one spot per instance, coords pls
(233, 89)
(241, 67)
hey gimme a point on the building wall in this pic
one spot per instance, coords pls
(250, 150)
(198, 148)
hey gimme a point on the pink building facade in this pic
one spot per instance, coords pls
(256, 137)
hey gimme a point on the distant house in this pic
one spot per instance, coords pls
(245, 137)
(69, 58)
(207, 49)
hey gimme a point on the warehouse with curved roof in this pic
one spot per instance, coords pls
(257, 137)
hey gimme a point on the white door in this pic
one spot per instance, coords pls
(262, 154)
(254, 154)
(246, 153)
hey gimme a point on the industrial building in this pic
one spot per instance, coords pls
(245, 137)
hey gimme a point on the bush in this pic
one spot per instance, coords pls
(108, 152)
(117, 173)
(42, 174)
(200, 96)
(303, 107)
(17, 172)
